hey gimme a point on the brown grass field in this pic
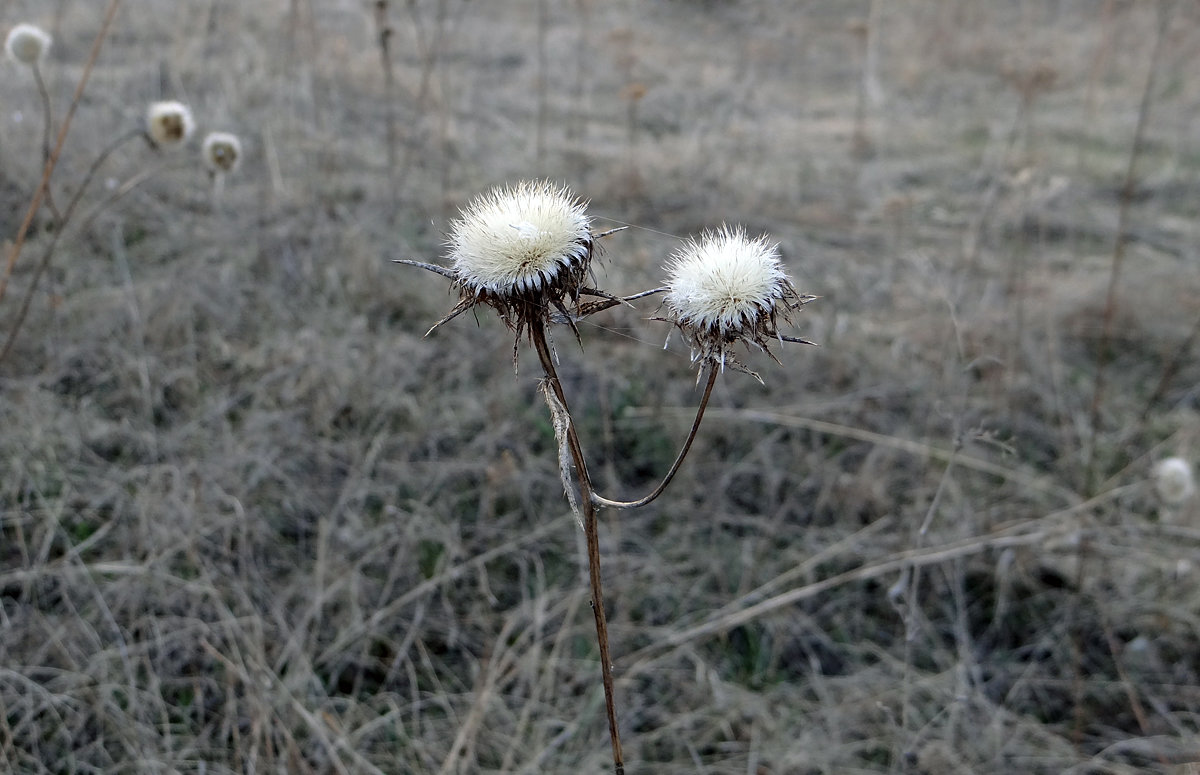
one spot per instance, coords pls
(252, 520)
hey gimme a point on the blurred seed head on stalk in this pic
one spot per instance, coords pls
(1173, 480)
(169, 123)
(27, 44)
(222, 152)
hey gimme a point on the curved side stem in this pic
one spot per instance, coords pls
(537, 333)
(687, 445)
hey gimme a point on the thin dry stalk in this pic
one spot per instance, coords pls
(47, 130)
(44, 185)
(543, 25)
(1103, 355)
(908, 604)
(587, 504)
(385, 32)
(1172, 368)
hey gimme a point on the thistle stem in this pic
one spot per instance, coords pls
(537, 333)
(47, 132)
(687, 445)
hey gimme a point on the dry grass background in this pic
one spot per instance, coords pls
(251, 521)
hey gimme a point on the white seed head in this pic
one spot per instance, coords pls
(520, 239)
(1173, 480)
(222, 152)
(724, 282)
(169, 123)
(724, 287)
(27, 44)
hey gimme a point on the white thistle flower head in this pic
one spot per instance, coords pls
(522, 250)
(169, 123)
(521, 239)
(725, 287)
(27, 44)
(222, 152)
(1173, 480)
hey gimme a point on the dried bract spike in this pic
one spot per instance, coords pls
(222, 152)
(723, 288)
(27, 44)
(169, 123)
(1173, 480)
(522, 250)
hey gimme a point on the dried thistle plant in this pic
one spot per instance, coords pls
(526, 252)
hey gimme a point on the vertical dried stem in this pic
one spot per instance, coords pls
(543, 25)
(47, 131)
(537, 333)
(386, 32)
(1118, 258)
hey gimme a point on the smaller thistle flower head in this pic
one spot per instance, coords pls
(724, 287)
(27, 44)
(521, 250)
(222, 152)
(169, 123)
(1173, 480)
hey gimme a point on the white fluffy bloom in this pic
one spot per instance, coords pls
(724, 287)
(1173, 480)
(520, 239)
(724, 282)
(27, 44)
(222, 151)
(169, 123)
